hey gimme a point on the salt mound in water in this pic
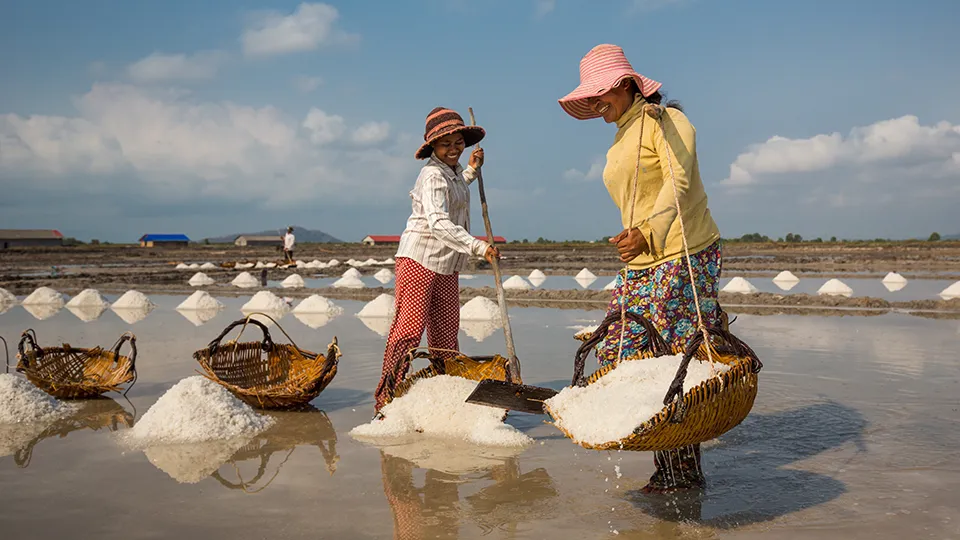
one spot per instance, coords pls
(44, 296)
(265, 301)
(353, 272)
(22, 402)
(537, 274)
(317, 304)
(349, 282)
(517, 283)
(610, 286)
(480, 308)
(785, 277)
(182, 266)
(381, 306)
(384, 274)
(894, 278)
(293, 281)
(88, 298)
(951, 292)
(835, 287)
(245, 280)
(611, 408)
(436, 406)
(6, 297)
(208, 266)
(585, 274)
(200, 279)
(133, 300)
(196, 410)
(739, 285)
(200, 300)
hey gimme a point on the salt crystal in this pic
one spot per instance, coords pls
(133, 300)
(585, 274)
(245, 280)
(835, 287)
(88, 298)
(894, 278)
(951, 292)
(7, 298)
(480, 308)
(537, 274)
(740, 285)
(265, 301)
(194, 410)
(349, 282)
(200, 279)
(25, 403)
(318, 304)
(200, 300)
(517, 283)
(353, 272)
(208, 266)
(785, 277)
(293, 281)
(44, 296)
(436, 406)
(620, 401)
(381, 306)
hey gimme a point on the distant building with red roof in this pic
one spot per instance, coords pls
(30, 237)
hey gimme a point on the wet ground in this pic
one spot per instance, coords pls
(852, 436)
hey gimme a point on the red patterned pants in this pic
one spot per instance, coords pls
(424, 300)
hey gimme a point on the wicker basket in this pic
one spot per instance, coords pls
(475, 368)
(701, 414)
(71, 373)
(265, 374)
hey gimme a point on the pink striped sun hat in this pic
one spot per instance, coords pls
(601, 70)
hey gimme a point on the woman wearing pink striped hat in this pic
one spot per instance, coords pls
(434, 246)
(653, 151)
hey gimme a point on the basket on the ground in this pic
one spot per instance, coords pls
(476, 368)
(705, 412)
(76, 373)
(265, 374)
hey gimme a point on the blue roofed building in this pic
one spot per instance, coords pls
(164, 240)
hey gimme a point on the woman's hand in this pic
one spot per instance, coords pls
(491, 254)
(476, 158)
(630, 244)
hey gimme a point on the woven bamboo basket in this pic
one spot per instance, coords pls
(704, 412)
(475, 368)
(73, 373)
(265, 374)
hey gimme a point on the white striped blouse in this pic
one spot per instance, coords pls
(438, 231)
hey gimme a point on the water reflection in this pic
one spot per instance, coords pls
(42, 312)
(380, 325)
(87, 313)
(133, 315)
(479, 330)
(894, 286)
(199, 317)
(314, 320)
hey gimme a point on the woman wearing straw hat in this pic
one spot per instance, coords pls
(434, 246)
(652, 174)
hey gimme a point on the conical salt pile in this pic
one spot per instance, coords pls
(317, 304)
(208, 266)
(951, 292)
(517, 283)
(389, 261)
(193, 266)
(480, 308)
(245, 280)
(332, 263)
(293, 281)
(610, 286)
(88, 298)
(200, 300)
(44, 296)
(381, 306)
(835, 287)
(182, 266)
(537, 274)
(200, 279)
(370, 262)
(383, 275)
(265, 301)
(741, 286)
(133, 300)
(6, 297)
(786, 277)
(349, 282)
(894, 278)
(353, 272)
(585, 274)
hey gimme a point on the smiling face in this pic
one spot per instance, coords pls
(449, 148)
(614, 102)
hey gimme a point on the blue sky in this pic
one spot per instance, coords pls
(820, 117)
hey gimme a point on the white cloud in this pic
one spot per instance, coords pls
(176, 67)
(545, 7)
(307, 84)
(166, 146)
(887, 148)
(595, 172)
(372, 133)
(306, 29)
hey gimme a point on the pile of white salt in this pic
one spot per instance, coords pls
(517, 283)
(265, 301)
(293, 281)
(894, 279)
(245, 281)
(200, 301)
(384, 275)
(786, 277)
(610, 286)
(22, 402)
(480, 308)
(44, 296)
(611, 408)
(436, 407)
(353, 272)
(183, 266)
(208, 266)
(88, 298)
(317, 304)
(951, 292)
(6, 297)
(194, 410)
(133, 300)
(585, 275)
(200, 279)
(537, 274)
(349, 282)
(381, 306)
(740, 285)
(835, 287)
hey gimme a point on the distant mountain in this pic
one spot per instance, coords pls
(951, 237)
(304, 236)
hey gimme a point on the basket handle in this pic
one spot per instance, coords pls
(333, 356)
(6, 351)
(413, 354)
(267, 340)
(736, 347)
(655, 342)
(127, 336)
(28, 337)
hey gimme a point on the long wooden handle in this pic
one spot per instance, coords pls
(513, 365)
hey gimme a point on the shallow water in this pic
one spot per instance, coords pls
(852, 436)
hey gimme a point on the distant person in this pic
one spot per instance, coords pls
(288, 241)
(434, 246)
(657, 283)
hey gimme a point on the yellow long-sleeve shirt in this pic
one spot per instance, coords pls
(655, 212)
